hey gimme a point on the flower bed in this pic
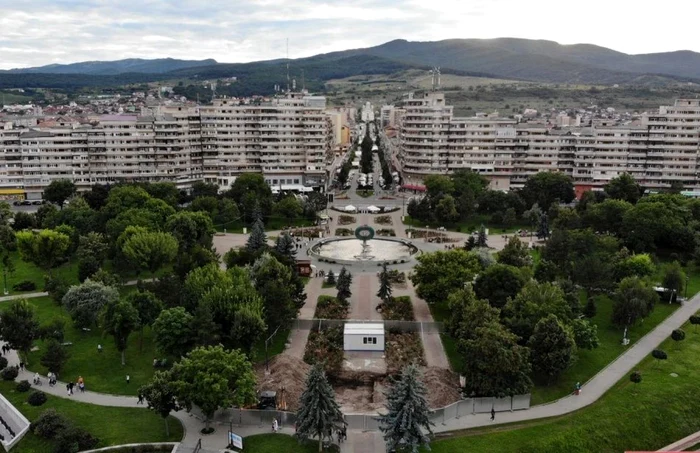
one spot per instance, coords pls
(383, 220)
(330, 307)
(424, 233)
(325, 346)
(386, 232)
(397, 309)
(344, 232)
(346, 220)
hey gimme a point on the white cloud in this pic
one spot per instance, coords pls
(38, 32)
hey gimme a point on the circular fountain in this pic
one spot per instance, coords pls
(364, 248)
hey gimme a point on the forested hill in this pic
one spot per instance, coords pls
(509, 58)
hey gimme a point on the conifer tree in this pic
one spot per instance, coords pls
(319, 414)
(257, 239)
(406, 426)
(481, 240)
(284, 245)
(343, 285)
(543, 228)
(331, 277)
(384, 285)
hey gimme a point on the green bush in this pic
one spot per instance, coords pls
(37, 398)
(24, 285)
(9, 374)
(23, 386)
(49, 423)
(71, 437)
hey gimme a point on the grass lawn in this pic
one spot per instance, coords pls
(591, 362)
(274, 443)
(656, 412)
(112, 425)
(469, 225)
(275, 347)
(365, 193)
(102, 372)
(28, 271)
(325, 284)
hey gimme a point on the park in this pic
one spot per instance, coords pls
(526, 319)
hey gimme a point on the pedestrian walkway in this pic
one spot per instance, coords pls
(44, 293)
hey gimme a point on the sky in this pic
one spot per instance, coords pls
(40, 32)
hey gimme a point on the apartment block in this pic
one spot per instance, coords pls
(664, 148)
(287, 139)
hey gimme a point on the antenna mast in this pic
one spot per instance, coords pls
(436, 77)
(287, 65)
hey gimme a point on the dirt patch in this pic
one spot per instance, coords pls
(403, 348)
(325, 346)
(397, 309)
(286, 373)
(329, 307)
(346, 220)
(355, 390)
(442, 385)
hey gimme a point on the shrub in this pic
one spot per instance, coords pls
(24, 285)
(49, 424)
(23, 386)
(330, 307)
(71, 437)
(37, 398)
(3, 363)
(9, 374)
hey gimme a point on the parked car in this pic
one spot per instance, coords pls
(26, 203)
(38, 202)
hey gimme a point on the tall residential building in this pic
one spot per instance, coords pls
(662, 150)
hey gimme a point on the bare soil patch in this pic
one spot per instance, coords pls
(286, 373)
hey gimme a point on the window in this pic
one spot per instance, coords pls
(369, 340)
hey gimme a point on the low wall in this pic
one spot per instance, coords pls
(17, 421)
(173, 447)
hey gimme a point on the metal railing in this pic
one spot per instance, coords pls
(401, 326)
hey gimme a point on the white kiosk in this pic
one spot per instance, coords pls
(361, 336)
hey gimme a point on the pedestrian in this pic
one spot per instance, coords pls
(81, 384)
(275, 426)
(21, 366)
(493, 414)
(70, 386)
(99, 348)
(577, 390)
(128, 379)
(140, 401)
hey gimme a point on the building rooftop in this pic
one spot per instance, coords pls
(364, 328)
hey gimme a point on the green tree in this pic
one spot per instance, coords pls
(585, 334)
(165, 191)
(639, 265)
(206, 332)
(331, 277)
(674, 279)
(54, 357)
(546, 271)
(552, 347)
(515, 253)
(150, 250)
(284, 246)
(385, 290)
(19, 327)
(636, 378)
(59, 191)
(46, 249)
(509, 218)
(190, 229)
(545, 187)
(659, 355)
(481, 238)
(534, 302)
(624, 187)
(319, 414)
(494, 364)
(148, 307)
(211, 378)
(407, 425)
(160, 396)
(91, 253)
(288, 208)
(204, 189)
(678, 335)
(607, 216)
(439, 274)
(257, 239)
(248, 190)
(343, 284)
(85, 302)
(467, 313)
(533, 215)
(23, 221)
(634, 300)
(277, 284)
(172, 332)
(498, 283)
(446, 210)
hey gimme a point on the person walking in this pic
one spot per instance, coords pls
(140, 401)
(493, 414)
(81, 384)
(128, 379)
(99, 348)
(275, 425)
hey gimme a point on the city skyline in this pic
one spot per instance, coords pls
(39, 32)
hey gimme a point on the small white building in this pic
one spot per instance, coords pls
(363, 336)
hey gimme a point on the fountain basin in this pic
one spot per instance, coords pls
(351, 250)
